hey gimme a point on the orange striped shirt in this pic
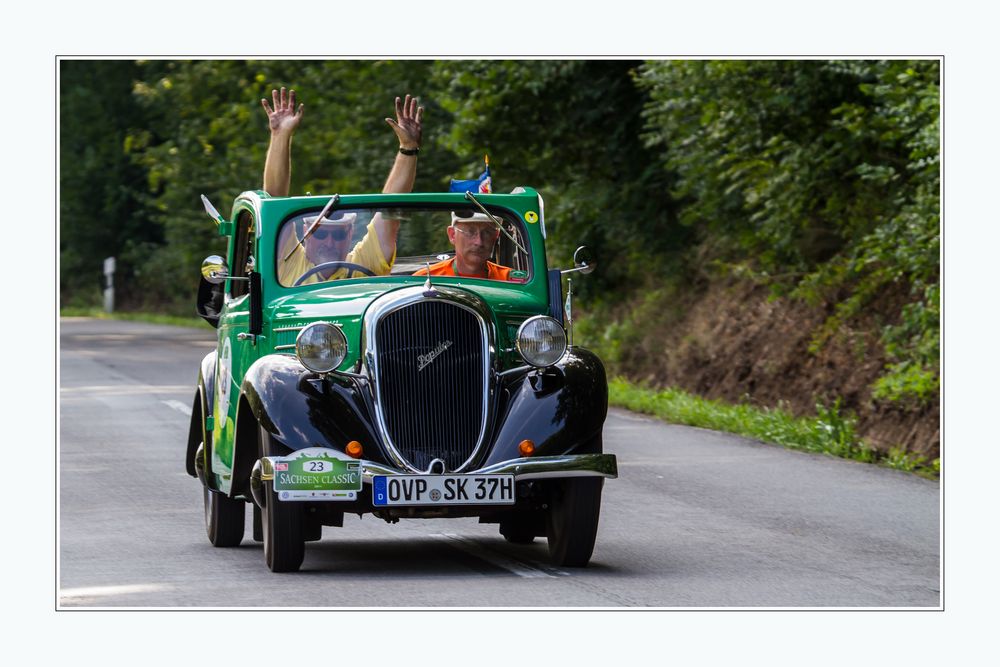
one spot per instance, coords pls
(447, 268)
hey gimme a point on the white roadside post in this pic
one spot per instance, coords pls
(109, 286)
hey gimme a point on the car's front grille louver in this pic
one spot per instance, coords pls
(431, 381)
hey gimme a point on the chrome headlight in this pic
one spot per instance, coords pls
(321, 347)
(541, 341)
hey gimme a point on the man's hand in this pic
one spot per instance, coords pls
(407, 124)
(285, 118)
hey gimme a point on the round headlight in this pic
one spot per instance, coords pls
(321, 347)
(541, 341)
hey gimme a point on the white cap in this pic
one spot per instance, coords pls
(475, 217)
(346, 219)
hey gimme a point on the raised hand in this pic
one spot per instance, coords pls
(284, 118)
(407, 124)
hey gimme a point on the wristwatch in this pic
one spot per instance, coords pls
(409, 151)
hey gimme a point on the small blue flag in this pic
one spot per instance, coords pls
(481, 185)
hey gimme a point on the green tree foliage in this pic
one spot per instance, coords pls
(209, 136)
(572, 130)
(101, 190)
(821, 176)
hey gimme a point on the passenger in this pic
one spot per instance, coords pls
(377, 250)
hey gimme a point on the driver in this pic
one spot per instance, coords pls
(377, 250)
(473, 236)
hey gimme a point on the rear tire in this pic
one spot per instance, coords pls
(281, 523)
(224, 518)
(571, 520)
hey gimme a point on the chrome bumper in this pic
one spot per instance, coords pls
(539, 467)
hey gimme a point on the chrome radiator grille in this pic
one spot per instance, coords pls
(431, 381)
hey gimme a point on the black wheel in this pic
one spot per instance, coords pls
(281, 525)
(223, 519)
(571, 520)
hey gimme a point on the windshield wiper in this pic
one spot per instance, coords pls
(496, 221)
(314, 226)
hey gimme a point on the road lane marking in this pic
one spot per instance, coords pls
(127, 389)
(105, 591)
(180, 407)
(518, 568)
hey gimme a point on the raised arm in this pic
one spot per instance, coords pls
(282, 119)
(409, 131)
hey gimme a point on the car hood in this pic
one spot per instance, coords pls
(347, 302)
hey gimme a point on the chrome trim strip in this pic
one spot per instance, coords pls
(394, 301)
(541, 215)
(540, 467)
(281, 329)
(285, 347)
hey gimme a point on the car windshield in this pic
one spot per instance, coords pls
(356, 243)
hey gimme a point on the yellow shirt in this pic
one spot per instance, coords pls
(367, 253)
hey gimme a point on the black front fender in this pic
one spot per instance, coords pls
(206, 380)
(200, 409)
(301, 409)
(561, 409)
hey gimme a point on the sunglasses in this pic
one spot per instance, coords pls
(338, 233)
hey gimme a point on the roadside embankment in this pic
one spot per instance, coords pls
(736, 344)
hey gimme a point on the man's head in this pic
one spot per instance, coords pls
(331, 240)
(473, 235)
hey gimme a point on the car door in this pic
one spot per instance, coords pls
(237, 347)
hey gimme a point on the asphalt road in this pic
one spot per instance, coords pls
(696, 518)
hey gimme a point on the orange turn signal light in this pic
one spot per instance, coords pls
(354, 449)
(526, 447)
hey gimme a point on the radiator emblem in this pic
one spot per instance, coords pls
(425, 360)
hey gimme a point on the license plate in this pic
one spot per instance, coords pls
(443, 490)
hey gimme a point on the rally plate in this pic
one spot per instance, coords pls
(395, 490)
(316, 474)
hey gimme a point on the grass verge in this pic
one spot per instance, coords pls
(828, 433)
(153, 318)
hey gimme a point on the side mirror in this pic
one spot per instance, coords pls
(215, 270)
(583, 261)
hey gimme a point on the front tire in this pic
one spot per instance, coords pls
(281, 524)
(224, 518)
(571, 520)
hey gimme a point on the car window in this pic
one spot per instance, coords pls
(242, 254)
(345, 245)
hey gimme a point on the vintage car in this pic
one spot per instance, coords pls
(333, 391)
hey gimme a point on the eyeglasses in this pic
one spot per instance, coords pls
(482, 232)
(338, 233)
